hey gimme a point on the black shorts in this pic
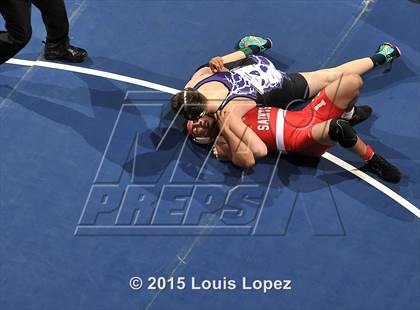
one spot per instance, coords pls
(295, 88)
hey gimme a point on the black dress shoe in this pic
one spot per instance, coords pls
(64, 51)
(361, 113)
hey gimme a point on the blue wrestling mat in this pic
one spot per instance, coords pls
(105, 204)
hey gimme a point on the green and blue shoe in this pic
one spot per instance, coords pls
(390, 51)
(261, 43)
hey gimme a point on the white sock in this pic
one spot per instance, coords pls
(348, 115)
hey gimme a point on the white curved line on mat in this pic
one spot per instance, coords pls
(103, 74)
(375, 183)
(98, 73)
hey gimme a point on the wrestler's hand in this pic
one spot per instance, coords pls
(222, 117)
(221, 149)
(216, 64)
(220, 152)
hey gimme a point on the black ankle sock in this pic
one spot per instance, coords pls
(378, 59)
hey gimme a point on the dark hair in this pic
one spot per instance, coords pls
(191, 103)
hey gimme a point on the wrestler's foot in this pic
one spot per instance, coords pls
(384, 169)
(361, 113)
(261, 43)
(64, 51)
(390, 51)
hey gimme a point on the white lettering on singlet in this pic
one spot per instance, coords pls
(320, 105)
(263, 118)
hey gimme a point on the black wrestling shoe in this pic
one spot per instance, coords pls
(64, 51)
(360, 114)
(384, 169)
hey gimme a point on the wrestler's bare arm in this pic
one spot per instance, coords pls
(222, 150)
(239, 154)
(217, 64)
(250, 138)
(237, 109)
(239, 133)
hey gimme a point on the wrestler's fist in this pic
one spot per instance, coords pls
(216, 64)
(221, 151)
(222, 116)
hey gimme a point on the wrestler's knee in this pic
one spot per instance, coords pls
(342, 132)
(353, 82)
(332, 75)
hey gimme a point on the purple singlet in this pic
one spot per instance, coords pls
(249, 80)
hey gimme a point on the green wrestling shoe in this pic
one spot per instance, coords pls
(390, 51)
(261, 43)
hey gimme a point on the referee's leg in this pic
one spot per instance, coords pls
(17, 16)
(54, 15)
(56, 22)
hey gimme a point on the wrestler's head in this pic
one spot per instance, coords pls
(190, 103)
(203, 131)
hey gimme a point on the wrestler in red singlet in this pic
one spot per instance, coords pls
(291, 131)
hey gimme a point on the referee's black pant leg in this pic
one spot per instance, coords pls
(54, 15)
(17, 16)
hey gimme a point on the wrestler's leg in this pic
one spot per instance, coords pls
(334, 102)
(331, 103)
(317, 80)
(344, 91)
(320, 79)
(323, 133)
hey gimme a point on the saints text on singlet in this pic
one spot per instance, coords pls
(268, 124)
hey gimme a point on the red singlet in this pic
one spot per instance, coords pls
(291, 131)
